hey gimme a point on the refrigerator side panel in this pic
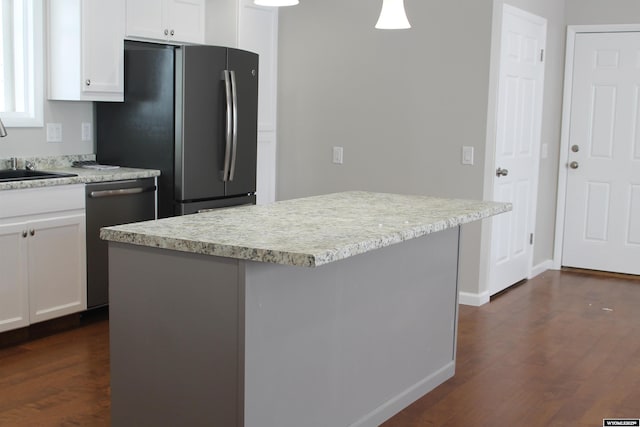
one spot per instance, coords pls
(139, 132)
(200, 115)
(245, 67)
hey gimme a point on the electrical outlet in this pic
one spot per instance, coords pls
(467, 155)
(337, 155)
(86, 131)
(54, 132)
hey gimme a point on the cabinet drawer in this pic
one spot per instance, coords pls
(34, 201)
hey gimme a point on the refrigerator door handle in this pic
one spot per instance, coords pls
(234, 97)
(229, 125)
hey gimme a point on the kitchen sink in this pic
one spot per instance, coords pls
(24, 174)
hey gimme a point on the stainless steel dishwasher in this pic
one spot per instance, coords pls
(112, 203)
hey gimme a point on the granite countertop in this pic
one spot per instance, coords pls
(307, 232)
(84, 176)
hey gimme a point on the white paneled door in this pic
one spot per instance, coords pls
(602, 216)
(518, 127)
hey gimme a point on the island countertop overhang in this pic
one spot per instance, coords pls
(309, 231)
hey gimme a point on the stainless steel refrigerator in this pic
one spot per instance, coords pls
(191, 112)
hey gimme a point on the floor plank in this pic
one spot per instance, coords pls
(59, 380)
(561, 349)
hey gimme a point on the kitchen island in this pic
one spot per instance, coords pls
(333, 310)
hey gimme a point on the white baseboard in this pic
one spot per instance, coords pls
(476, 300)
(541, 268)
(467, 298)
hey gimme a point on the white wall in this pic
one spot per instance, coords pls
(587, 12)
(31, 142)
(401, 103)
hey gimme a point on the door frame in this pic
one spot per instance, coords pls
(561, 201)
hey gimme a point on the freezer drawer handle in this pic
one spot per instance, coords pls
(121, 192)
(229, 125)
(234, 97)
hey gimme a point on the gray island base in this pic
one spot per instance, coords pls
(204, 340)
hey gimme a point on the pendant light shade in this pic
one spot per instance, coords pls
(276, 2)
(393, 16)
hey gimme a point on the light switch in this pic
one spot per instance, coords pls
(467, 155)
(337, 155)
(86, 131)
(54, 132)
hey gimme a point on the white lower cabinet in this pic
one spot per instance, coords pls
(14, 292)
(43, 261)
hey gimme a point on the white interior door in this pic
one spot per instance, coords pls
(519, 120)
(602, 216)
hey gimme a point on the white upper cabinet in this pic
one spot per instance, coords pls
(179, 21)
(86, 50)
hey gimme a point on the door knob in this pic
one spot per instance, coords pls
(574, 165)
(575, 148)
(502, 172)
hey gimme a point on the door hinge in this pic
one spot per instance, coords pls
(531, 239)
(541, 55)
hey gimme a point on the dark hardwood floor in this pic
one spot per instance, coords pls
(560, 350)
(59, 380)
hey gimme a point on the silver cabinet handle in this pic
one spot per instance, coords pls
(172, 32)
(121, 192)
(574, 165)
(32, 232)
(87, 82)
(24, 234)
(166, 31)
(234, 152)
(502, 172)
(229, 125)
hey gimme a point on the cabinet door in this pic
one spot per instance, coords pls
(14, 294)
(145, 18)
(57, 269)
(103, 49)
(186, 20)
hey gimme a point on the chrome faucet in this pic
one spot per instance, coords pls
(3, 131)
(13, 163)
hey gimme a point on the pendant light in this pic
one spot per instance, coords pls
(276, 2)
(393, 16)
